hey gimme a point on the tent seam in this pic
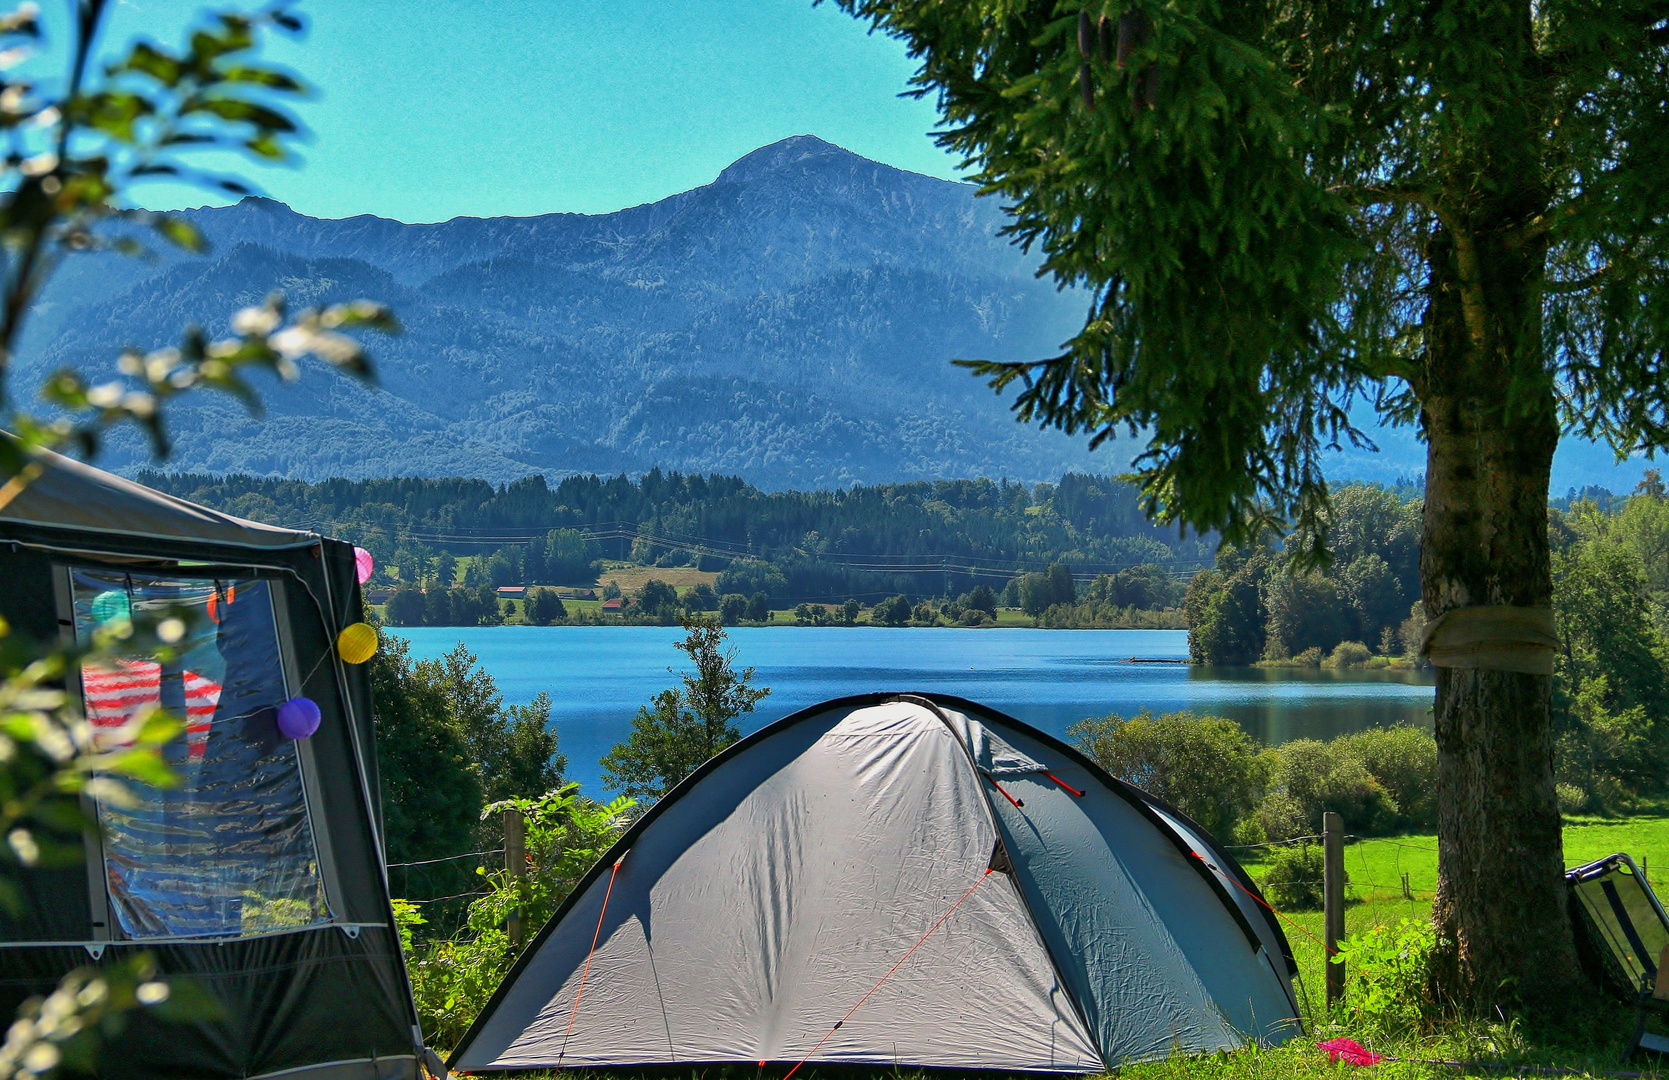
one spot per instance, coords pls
(1014, 874)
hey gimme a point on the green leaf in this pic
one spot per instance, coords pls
(240, 110)
(268, 77)
(181, 233)
(265, 146)
(143, 764)
(148, 60)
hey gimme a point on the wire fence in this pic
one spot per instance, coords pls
(454, 896)
(1273, 843)
(1411, 879)
(445, 858)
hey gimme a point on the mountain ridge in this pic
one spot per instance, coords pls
(791, 322)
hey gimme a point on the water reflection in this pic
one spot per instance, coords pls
(1278, 705)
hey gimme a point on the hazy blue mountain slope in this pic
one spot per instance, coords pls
(792, 322)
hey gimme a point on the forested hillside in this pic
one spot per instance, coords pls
(793, 322)
(920, 539)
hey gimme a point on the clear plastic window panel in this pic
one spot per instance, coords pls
(229, 851)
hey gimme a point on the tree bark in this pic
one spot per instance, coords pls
(1489, 414)
(1489, 417)
(1500, 905)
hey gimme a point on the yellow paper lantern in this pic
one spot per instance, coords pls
(356, 643)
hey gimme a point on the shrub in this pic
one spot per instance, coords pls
(1280, 817)
(1404, 762)
(1349, 654)
(1572, 799)
(1295, 878)
(452, 980)
(1323, 776)
(1205, 766)
(1388, 979)
(1310, 657)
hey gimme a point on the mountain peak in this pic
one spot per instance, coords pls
(792, 154)
(261, 202)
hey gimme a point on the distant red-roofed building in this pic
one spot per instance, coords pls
(512, 592)
(614, 605)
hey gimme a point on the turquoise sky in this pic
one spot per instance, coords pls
(426, 111)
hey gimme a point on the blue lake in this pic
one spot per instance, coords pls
(598, 677)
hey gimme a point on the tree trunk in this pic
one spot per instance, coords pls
(1488, 414)
(1500, 889)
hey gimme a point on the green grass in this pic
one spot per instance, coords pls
(1375, 868)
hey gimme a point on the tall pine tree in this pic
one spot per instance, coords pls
(1452, 209)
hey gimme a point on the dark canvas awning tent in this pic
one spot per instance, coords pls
(766, 911)
(260, 876)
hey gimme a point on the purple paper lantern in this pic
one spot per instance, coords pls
(363, 564)
(298, 718)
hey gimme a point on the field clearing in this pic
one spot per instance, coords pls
(631, 577)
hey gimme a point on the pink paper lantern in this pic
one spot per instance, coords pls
(364, 564)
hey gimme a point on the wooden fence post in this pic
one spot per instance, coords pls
(1332, 889)
(515, 862)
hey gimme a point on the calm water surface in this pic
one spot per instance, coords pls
(598, 676)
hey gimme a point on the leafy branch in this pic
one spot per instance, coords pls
(68, 165)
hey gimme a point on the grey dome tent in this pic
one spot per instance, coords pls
(260, 877)
(897, 879)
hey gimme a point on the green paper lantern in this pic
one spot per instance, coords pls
(110, 606)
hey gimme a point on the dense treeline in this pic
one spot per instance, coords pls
(919, 539)
(1611, 676)
(447, 745)
(1253, 605)
(1610, 603)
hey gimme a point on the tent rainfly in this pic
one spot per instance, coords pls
(260, 877)
(898, 879)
